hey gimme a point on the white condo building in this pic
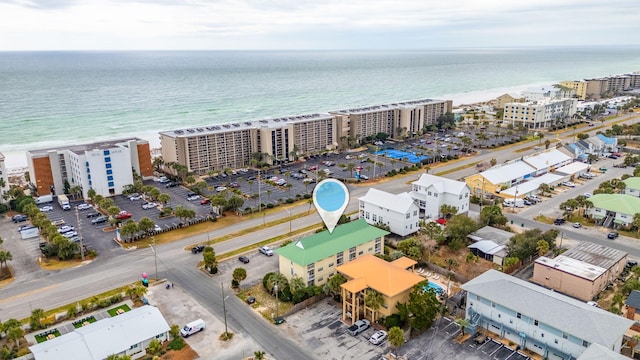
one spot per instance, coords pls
(431, 192)
(540, 114)
(4, 185)
(399, 212)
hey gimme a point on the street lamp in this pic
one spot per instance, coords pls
(275, 288)
(481, 193)
(289, 212)
(155, 256)
(224, 309)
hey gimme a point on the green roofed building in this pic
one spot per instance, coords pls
(315, 258)
(614, 210)
(632, 186)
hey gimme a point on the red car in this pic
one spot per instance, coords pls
(123, 215)
(204, 201)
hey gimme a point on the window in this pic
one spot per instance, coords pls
(106, 152)
(374, 217)
(109, 172)
(110, 184)
(408, 215)
(108, 166)
(565, 336)
(361, 252)
(110, 177)
(330, 264)
(366, 215)
(107, 159)
(555, 341)
(535, 322)
(429, 193)
(585, 343)
(320, 269)
(519, 316)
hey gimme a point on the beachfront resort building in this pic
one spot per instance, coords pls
(430, 192)
(315, 258)
(398, 212)
(547, 93)
(128, 334)
(106, 167)
(240, 144)
(393, 280)
(580, 88)
(504, 99)
(540, 114)
(581, 272)
(541, 320)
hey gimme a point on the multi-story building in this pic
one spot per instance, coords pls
(539, 114)
(4, 183)
(315, 258)
(237, 145)
(541, 320)
(632, 186)
(634, 80)
(615, 210)
(105, 167)
(396, 120)
(580, 88)
(547, 93)
(392, 280)
(596, 88)
(430, 192)
(398, 212)
(619, 83)
(581, 272)
(504, 99)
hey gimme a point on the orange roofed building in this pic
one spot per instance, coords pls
(392, 280)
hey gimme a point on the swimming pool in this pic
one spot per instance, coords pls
(437, 288)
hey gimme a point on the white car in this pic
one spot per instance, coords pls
(221, 188)
(65, 228)
(157, 228)
(46, 208)
(266, 250)
(84, 207)
(135, 197)
(588, 195)
(149, 205)
(193, 197)
(70, 234)
(569, 184)
(378, 337)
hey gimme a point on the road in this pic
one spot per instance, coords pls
(58, 288)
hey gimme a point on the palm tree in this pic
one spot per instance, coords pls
(373, 300)
(396, 339)
(258, 355)
(463, 323)
(542, 247)
(4, 257)
(296, 284)
(277, 279)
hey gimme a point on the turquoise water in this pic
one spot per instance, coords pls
(437, 288)
(397, 154)
(56, 98)
(330, 196)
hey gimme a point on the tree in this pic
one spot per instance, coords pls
(396, 338)
(146, 224)
(493, 162)
(424, 306)
(296, 284)
(129, 229)
(412, 248)
(154, 347)
(164, 198)
(332, 286)
(209, 258)
(492, 215)
(258, 355)
(448, 210)
(279, 280)
(13, 329)
(463, 323)
(547, 143)
(239, 274)
(524, 245)
(4, 257)
(544, 188)
(542, 247)
(373, 300)
(235, 202)
(35, 321)
(118, 357)
(458, 227)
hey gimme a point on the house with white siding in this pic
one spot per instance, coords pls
(398, 212)
(430, 192)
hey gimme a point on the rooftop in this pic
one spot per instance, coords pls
(442, 184)
(386, 107)
(554, 309)
(397, 203)
(324, 244)
(632, 182)
(573, 168)
(498, 236)
(82, 148)
(599, 352)
(547, 159)
(387, 278)
(572, 266)
(532, 185)
(625, 204)
(243, 125)
(595, 254)
(508, 172)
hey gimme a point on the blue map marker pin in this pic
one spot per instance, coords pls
(330, 198)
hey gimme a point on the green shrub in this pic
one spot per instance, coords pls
(116, 298)
(290, 201)
(176, 344)
(307, 196)
(270, 206)
(393, 320)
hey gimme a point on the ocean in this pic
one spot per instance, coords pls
(50, 99)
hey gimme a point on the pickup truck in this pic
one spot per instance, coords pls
(358, 327)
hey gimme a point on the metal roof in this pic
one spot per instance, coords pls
(621, 203)
(596, 254)
(554, 309)
(401, 203)
(634, 299)
(442, 184)
(599, 352)
(632, 183)
(547, 159)
(508, 172)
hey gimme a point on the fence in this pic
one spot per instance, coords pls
(304, 304)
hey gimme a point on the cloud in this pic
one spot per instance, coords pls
(289, 24)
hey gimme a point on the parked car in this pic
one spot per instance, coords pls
(378, 337)
(65, 228)
(123, 215)
(243, 259)
(19, 218)
(70, 234)
(266, 250)
(204, 201)
(134, 197)
(588, 195)
(197, 249)
(358, 327)
(568, 184)
(480, 339)
(221, 188)
(46, 208)
(559, 221)
(99, 220)
(93, 214)
(84, 206)
(364, 177)
(251, 300)
(577, 225)
(149, 205)
(170, 184)
(279, 320)
(193, 197)
(612, 235)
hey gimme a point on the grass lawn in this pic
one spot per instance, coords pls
(265, 303)
(114, 312)
(80, 323)
(42, 337)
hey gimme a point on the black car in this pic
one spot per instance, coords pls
(99, 220)
(19, 218)
(612, 235)
(93, 214)
(197, 249)
(244, 259)
(251, 300)
(559, 221)
(171, 184)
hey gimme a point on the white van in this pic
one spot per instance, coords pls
(192, 328)
(519, 203)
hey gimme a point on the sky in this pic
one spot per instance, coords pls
(313, 24)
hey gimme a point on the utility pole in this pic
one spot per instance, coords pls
(155, 255)
(80, 234)
(259, 193)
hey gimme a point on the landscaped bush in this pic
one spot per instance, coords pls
(116, 298)
(176, 344)
(393, 320)
(290, 201)
(270, 206)
(307, 196)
